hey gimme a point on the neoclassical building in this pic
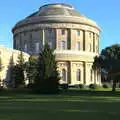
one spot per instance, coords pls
(74, 37)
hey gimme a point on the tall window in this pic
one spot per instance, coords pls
(63, 45)
(37, 47)
(78, 45)
(63, 32)
(78, 75)
(25, 47)
(78, 32)
(64, 75)
(50, 32)
(50, 44)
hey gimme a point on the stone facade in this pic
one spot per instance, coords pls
(6, 56)
(74, 37)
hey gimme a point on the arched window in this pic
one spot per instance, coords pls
(64, 75)
(78, 75)
(78, 45)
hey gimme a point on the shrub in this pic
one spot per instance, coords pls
(92, 86)
(105, 86)
(64, 86)
(81, 86)
(30, 85)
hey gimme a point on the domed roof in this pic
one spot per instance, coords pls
(56, 13)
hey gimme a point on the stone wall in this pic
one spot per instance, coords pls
(6, 56)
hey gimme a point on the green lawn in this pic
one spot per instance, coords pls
(72, 105)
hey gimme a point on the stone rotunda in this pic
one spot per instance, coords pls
(74, 38)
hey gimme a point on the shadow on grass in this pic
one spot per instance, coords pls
(69, 92)
(91, 93)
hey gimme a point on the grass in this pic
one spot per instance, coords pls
(70, 105)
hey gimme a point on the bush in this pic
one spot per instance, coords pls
(81, 86)
(64, 86)
(92, 86)
(105, 86)
(30, 85)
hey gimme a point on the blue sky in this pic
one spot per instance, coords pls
(105, 12)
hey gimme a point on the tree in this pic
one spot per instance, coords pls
(18, 71)
(109, 63)
(47, 77)
(0, 69)
(30, 67)
(21, 61)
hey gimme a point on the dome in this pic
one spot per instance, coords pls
(56, 13)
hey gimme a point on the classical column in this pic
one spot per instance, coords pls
(69, 39)
(98, 44)
(56, 39)
(85, 73)
(94, 42)
(69, 72)
(85, 41)
(43, 34)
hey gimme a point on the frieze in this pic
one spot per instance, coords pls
(57, 25)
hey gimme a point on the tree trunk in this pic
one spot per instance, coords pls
(114, 86)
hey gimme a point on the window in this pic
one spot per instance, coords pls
(37, 47)
(63, 45)
(63, 32)
(30, 35)
(49, 32)
(25, 47)
(64, 75)
(78, 75)
(50, 44)
(78, 45)
(78, 32)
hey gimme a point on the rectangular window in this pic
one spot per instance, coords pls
(37, 47)
(63, 32)
(78, 45)
(49, 31)
(78, 75)
(63, 45)
(25, 48)
(78, 32)
(50, 44)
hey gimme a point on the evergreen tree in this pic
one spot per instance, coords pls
(18, 71)
(30, 67)
(21, 60)
(47, 77)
